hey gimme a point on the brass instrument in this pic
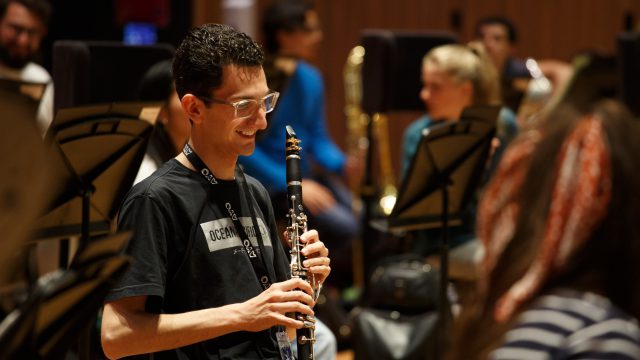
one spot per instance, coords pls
(357, 122)
(297, 225)
(357, 143)
(389, 191)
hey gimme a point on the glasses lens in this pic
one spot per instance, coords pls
(245, 108)
(270, 102)
(248, 107)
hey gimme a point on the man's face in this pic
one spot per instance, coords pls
(444, 97)
(228, 135)
(21, 32)
(303, 42)
(495, 38)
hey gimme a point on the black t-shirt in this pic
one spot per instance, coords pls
(187, 255)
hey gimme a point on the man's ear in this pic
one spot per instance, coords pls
(192, 106)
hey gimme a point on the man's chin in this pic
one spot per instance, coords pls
(14, 62)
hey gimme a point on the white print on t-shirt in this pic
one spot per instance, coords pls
(221, 234)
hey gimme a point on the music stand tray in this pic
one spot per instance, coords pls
(451, 155)
(443, 176)
(99, 148)
(64, 302)
(20, 99)
(26, 184)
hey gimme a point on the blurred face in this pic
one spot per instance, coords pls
(443, 96)
(20, 35)
(302, 42)
(227, 135)
(495, 38)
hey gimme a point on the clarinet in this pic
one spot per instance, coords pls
(297, 224)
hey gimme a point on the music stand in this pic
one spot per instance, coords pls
(100, 149)
(64, 302)
(391, 81)
(25, 189)
(20, 99)
(443, 176)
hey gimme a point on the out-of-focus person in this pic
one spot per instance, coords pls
(172, 127)
(23, 26)
(455, 76)
(558, 223)
(292, 35)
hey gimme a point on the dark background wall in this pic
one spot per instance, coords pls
(547, 29)
(103, 20)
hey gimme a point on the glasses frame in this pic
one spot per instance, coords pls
(236, 104)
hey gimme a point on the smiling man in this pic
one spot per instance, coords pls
(190, 294)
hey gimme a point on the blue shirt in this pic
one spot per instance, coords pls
(301, 105)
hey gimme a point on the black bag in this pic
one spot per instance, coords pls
(404, 283)
(390, 335)
(399, 319)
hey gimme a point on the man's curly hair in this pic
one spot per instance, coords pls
(205, 51)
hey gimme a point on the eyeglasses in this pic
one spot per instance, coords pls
(247, 107)
(19, 29)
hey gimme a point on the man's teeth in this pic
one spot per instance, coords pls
(247, 132)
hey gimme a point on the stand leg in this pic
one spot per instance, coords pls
(84, 340)
(444, 273)
(64, 253)
(368, 198)
(86, 203)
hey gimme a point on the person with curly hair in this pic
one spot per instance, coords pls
(210, 278)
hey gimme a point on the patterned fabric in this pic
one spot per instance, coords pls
(498, 209)
(580, 195)
(567, 324)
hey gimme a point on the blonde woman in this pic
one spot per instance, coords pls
(455, 76)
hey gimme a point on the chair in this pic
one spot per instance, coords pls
(92, 72)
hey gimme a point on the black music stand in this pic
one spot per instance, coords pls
(99, 150)
(64, 302)
(390, 82)
(443, 176)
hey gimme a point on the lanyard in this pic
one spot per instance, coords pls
(257, 262)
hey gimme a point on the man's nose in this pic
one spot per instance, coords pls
(23, 38)
(261, 118)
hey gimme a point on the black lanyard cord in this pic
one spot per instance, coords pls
(258, 262)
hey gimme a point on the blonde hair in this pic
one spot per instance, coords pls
(468, 63)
